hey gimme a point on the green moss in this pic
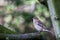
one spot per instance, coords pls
(6, 31)
(57, 8)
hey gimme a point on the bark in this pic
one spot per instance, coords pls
(54, 8)
(19, 36)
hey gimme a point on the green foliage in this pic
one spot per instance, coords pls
(28, 17)
(18, 2)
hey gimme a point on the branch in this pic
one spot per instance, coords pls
(20, 36)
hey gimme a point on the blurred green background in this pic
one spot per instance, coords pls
(18, 14)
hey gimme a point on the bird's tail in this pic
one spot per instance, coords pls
(49, 31)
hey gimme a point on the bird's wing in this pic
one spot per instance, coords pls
(35, 23)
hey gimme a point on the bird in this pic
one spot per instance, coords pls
(39, 26)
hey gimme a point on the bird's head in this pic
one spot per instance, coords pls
(35, 19)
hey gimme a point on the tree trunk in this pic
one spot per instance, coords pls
(54, 8)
